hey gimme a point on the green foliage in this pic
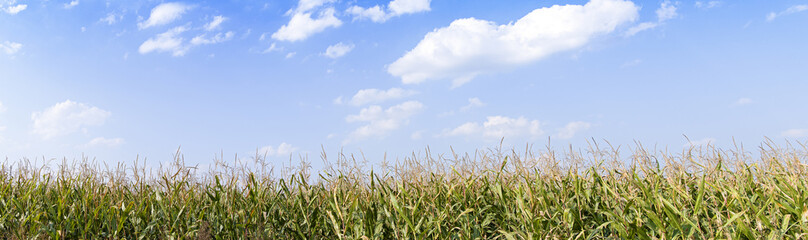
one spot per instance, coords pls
(706, 195)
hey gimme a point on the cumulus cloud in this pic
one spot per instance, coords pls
(10, 48)
(791, 10)
(65, 118)
(105, 142)
(496, 127)
(71, 4)
(395, 8)
(795, 133)
(338, 50)
(11, 7)
(218, 38)
(572, 128)
(469, 47)
(284, 149)
(380, 122)
(169, 41)
(215, 23)
(665, 12)
(164, 13)
(302, 25)
(375, 96)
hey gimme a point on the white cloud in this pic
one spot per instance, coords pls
(291, 55)
(381, 122)
(707, 5)
(401, 7)
(572, 128)
(394, 8)
(65, 118)
(665, 12)
(473, 103)
(306, 5)
(169, 41)
(742, 101)
(789, 11)
(700, 142)
(273, 48)
(105, 142)
(375, 13)
(218, 38)
(111, 18)
(164, 13)
(631, 63)
(10, 48)
(375, 96)
(469, 47)
(302, 25)
(284, 149)
(338, 50)
(496, 127)
(13, 9)
(641, 27)
(795, 133)
(71, 4)
(215, 23)
(417, 135)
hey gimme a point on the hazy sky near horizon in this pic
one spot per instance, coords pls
(120, 79)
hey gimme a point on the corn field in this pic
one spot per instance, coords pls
(590, 193)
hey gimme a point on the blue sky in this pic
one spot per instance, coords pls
(118, 79)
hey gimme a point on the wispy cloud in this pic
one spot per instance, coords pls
(105, 142)
(395, 8)
(169, 41)
(795, 133)
(707, 5)
(742, 102)
(218, 38)
(791, 10)
(111, 18)
(215, 23)
(338, 50)
(375, 96)
(665, 12)
(10, 48)
(473, 103)
(284, 149)
(71, 4)
(571, 129)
